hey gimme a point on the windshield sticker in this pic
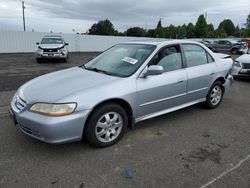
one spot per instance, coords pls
(130, 60)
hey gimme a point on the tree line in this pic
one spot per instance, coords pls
(201, 29)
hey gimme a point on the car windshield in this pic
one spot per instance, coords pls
(121, 60)
(52, 41)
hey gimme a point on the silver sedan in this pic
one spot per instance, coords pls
(127, 83)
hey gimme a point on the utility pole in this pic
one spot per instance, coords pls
(23, 7)
(206, 15)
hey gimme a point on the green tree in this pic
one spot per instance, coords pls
(159, 24)
(183, 31)
(248, 24)
(190, 30)
(228, 27)
(151, 33)
(136, 32)
(211, 31)
(220, 33)
(159, 32)
(201, 28)
(172, 32)
(103, 27)
(248, 21)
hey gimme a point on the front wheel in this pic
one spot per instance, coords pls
(215, 95)
(106, 125)
(234, 51)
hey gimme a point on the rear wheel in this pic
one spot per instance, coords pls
(215, 95)
(106, 125)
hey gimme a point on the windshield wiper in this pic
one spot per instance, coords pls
(102, 71)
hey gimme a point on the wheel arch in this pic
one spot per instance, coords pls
(222, 80)
(122, 103)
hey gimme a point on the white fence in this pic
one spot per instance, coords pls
(19, 41)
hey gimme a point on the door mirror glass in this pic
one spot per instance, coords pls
(153, 70)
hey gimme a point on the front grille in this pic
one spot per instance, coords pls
(20, 103)
(50, 50)
(246, 65)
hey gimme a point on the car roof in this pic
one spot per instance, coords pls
(160, 42)
(52, 36)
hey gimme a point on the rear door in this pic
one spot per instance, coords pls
(201, 70)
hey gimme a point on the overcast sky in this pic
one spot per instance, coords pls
(66, 15)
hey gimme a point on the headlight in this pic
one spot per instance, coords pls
(39, 50)
(237, 64)
(48, 109)
(62, 50)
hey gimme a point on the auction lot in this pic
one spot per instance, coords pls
(193, 147)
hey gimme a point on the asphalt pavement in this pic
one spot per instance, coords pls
(192, 147)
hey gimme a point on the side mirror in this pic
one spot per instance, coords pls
(153, 70)
(66, 44)
(37, 43)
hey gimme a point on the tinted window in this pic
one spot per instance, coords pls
(169, 58)
(221, 42)
(195, 55)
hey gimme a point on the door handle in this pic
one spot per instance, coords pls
(181, 80)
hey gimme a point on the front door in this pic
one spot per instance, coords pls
(158, 93)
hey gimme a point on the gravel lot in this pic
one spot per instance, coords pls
(193, 147)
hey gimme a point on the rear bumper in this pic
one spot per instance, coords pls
(229, 82)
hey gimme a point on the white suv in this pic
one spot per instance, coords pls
(51, 47)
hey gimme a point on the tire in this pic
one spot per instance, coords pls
(234, 51)
(106, 125)
(215, 95)
(236, 77)
(39, 61)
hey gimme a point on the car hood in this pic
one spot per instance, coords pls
(49, 46)
(244, 58)
(55, 86)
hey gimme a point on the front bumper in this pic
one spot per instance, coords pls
(54, 130)
(52, 55)
(237, 71)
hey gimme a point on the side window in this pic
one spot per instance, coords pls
(221, 42)
(209, 58)
(169, 58)
(195, 55)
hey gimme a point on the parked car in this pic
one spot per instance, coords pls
(228, 46)
(208, 43)
(126, 84)
(241, 66)
(51, 47)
